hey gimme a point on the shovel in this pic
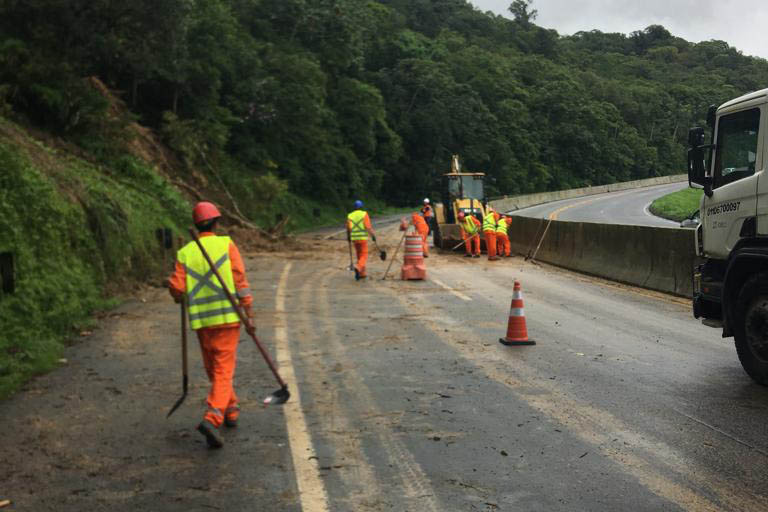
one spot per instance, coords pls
(281, 395)
(382, 254)
(184, 372)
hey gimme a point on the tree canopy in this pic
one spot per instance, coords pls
(348, 98)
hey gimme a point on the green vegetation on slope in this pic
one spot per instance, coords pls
(678, 205)
(74, 229)
(341, 99)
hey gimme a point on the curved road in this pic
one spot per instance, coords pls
(623, 207)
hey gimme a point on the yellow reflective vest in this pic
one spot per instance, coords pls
(469, 225)
(502, 226)
(356, 224)
(208, 304)
(489, 222)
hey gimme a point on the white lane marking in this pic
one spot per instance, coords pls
(458, 294)
(312, 492)
(647, 211)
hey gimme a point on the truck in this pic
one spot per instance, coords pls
(729, 160)
(460, 192)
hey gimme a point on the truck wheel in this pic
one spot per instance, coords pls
(751, 329)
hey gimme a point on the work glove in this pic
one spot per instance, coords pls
(374, 237)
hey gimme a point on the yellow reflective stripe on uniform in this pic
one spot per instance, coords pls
(469, 226)
(357, 231)
(489, 222)
(208, 302)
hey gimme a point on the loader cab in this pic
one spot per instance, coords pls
(463, 192)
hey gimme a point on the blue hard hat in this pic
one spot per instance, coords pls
(358, 204)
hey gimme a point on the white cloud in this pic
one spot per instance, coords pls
(741, 23)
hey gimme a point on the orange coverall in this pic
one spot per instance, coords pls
(475, 242)
(421, 227)
(490, 240)
(218, 344)
(502, 240)
(361, 246)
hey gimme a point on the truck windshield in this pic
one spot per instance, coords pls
(736, 146)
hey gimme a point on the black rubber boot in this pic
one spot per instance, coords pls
(210, 433)
(467, 255)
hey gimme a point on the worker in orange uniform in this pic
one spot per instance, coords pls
(470, 233)
(358, 228)
(490, 223)
(502, 237)
(428, 214)
(422, 229)
(212, 316)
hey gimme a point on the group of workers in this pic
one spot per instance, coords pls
(216, 321)
(495, 229)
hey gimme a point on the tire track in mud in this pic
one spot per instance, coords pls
(417, 491)
(361, 486)
(594, 426)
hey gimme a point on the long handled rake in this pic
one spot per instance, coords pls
(184, 366)
(394, 256)
(281, 395)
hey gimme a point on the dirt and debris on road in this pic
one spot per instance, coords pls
(409, 401)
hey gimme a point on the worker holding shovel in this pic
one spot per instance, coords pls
(212, 315)
(358, 228)
(470, 233)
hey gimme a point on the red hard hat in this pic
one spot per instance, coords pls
(204, 211)
(461, 215)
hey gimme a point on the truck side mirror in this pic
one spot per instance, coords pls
(695, 137)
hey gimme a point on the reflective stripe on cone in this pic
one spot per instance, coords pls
(517, 332)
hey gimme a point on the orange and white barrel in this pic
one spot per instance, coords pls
(413, 261)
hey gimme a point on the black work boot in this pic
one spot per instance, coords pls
(210, 433)
(230, 421)
(467, 255)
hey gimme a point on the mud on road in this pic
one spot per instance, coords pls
(402, 400)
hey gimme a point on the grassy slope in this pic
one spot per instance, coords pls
(678, 205)
(76, 231)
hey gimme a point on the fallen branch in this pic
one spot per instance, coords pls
(234, 218)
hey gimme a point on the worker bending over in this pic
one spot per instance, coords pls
(490, 223)
(421, 227)
(358, 228)
(211, 314)
(502, 236)
(470, 233)
(428, 215)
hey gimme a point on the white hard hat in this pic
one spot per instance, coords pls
(426, 200)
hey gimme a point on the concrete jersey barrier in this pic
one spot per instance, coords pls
(507, 204)
(657, 258)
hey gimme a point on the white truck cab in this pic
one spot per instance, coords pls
(731, 285)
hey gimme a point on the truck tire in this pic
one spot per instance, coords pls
(751, 329)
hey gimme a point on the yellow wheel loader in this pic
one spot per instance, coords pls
(461, 192)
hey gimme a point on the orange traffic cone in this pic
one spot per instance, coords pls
(517, 333)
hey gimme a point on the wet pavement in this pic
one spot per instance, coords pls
(403, 400)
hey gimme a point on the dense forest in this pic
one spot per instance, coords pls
(335, 99)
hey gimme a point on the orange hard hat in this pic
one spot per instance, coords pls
(204, 211)
(461, 215)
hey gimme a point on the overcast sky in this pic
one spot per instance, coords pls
(741, 23)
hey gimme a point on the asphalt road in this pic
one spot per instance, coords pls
(403, 399)
(624, 207)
